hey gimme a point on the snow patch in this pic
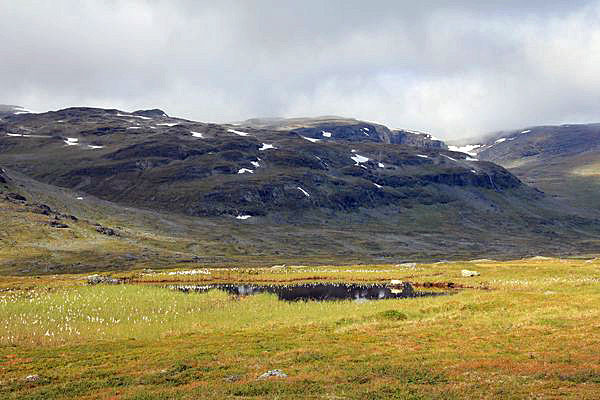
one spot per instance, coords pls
(14, 134)
(311, 139)
(465, 149)
(197, 134)
(448, 157)
(378, 186)
(359, 159)
(240, 133)
(303, 191)
(380, 165)
(500, 140)
(255, 163)
(168, 124)
(471, 159)
(91, 146)
(79, 198)
(422, 156)
(527, 131)
(326, 134)
(134, 127)
(244, 170)
(72, 141)
(243, 216)
(266, 146)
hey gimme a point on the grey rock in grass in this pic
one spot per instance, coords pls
(97, 279)
(466, 273)
(277, 373)
(406, 265)
(32, 378)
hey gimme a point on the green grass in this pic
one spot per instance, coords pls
(81, 314)
(533, 333)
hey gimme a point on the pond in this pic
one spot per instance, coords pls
(317, 291)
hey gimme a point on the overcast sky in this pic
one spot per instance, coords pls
(455, 71)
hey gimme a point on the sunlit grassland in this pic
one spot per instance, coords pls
(534, 332)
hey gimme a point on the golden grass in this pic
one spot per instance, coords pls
(534, 334)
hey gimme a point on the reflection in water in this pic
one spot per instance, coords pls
(320, 291)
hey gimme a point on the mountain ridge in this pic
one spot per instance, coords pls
(246, 193)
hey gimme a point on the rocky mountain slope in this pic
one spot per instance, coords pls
(560, 160)
(322, 190)
(338, 128)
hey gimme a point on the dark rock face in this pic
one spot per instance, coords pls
(42, 209)
(3, 176)
(16, 197)
(351, 133)
(104, 130)
(415, 139)
(370, 133)
(154, 113)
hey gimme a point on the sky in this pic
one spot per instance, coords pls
(452, 68)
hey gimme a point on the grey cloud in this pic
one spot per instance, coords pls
(453, 68)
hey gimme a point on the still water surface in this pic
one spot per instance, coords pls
(319, 291)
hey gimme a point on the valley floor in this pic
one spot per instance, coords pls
(522, 329)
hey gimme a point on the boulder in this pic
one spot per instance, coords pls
(98, 279)
(42, 209)
(15, 197)
(406, 265)
(106, 231)
(466, 273)
(277, 373)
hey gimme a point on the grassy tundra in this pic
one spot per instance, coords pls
(523, 329)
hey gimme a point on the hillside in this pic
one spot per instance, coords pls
(184, 192)
(560, 160)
